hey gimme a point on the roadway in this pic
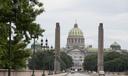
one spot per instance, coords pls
(76, 74)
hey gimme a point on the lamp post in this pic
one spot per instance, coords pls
(33, 57)
(44, 48)
(52, 65)
(43, 74)
(46, 43)
(50, 50)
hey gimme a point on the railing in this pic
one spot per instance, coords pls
(4, 72)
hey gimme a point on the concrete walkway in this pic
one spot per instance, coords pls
(62, 74)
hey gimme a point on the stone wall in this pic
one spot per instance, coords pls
(4, 72)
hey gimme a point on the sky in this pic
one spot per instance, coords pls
(88, 14)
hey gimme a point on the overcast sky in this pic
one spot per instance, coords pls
(88, 13)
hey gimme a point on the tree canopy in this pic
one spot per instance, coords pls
(45, 60)
(18, 16)
(113, 62)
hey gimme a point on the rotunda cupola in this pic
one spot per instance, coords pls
(75, 38)
(115, 46)
(75, 32)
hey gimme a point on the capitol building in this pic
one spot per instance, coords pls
(78, 50)
(76, 47)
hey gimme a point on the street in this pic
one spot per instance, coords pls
(93, 74)
(76, 74)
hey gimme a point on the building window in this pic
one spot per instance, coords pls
(79, 40)
(72, 40)
(75, 40)
(80, 56)
(69, 40)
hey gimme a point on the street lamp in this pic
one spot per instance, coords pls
(47, 48)
(43, 50)
(46, 43)
(33, 57)
(44, 47)
(50, 73)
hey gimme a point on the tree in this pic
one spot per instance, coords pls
(19, 56)
(21, 14)
(45, 59)
(90, 62)
(119, 62)
(113, 62)
(42, 60)
(66, 61)
(111, 56)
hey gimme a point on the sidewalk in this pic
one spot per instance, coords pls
(62, 74)
(108, 75)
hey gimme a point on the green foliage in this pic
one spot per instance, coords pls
(119, 63)
(45, 60)
(66, 61)
(111, 56)
(22, 15)
(113, 62)
(18, 58)
(42, 60)
(90, 62)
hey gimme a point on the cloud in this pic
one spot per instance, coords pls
(89, 13)
(105, 7)
(52, 5)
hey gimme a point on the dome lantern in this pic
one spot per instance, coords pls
(75, 25)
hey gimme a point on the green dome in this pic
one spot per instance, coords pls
(115, 44)
(75, 31)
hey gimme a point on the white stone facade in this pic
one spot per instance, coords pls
(78, 58)
(75, 47)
